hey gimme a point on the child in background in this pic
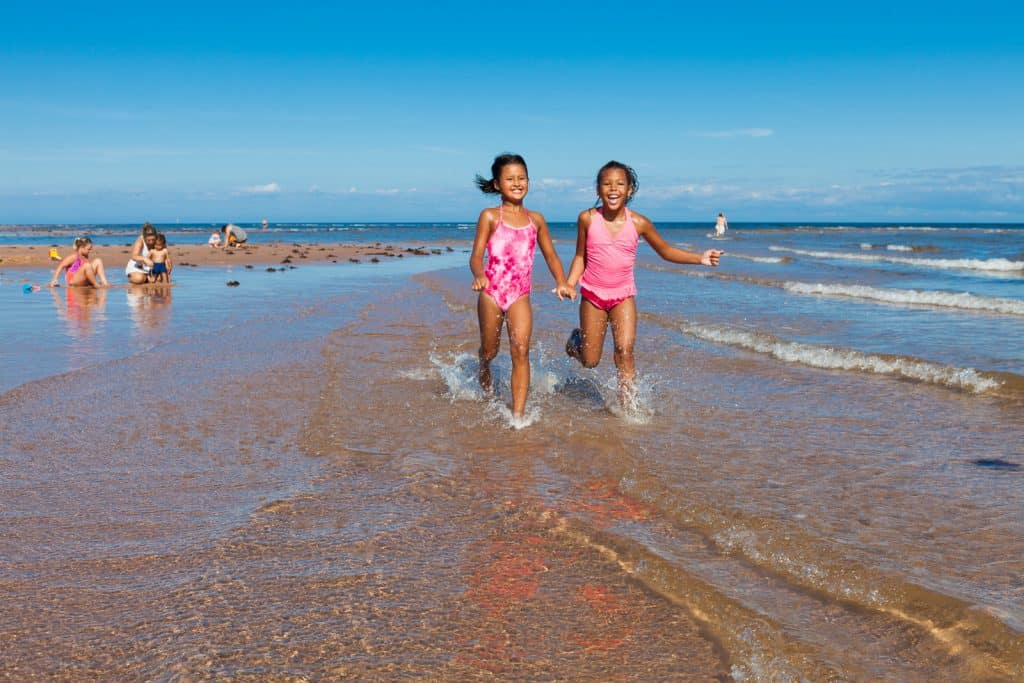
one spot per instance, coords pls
(81, 270)
(214, 240)
(606, 243)
(161, 259)
(509, 233)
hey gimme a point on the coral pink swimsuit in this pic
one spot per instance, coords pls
(608, 278)
(510, 261)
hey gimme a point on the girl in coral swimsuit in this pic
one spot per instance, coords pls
(509, 233)
(80, 270)
(606, 243)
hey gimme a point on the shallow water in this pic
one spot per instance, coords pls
(301, 478)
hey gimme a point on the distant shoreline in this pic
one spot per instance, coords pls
(115, 257)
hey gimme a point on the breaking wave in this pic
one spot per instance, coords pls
(832, 358)
(960, 300)
(990, 265)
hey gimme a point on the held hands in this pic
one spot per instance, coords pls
(710, 257)
(480, 283)
(563, 290)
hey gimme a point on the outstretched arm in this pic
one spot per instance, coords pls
(562, 288)
(645, 228)
(484, 226)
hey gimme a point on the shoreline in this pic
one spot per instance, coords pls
(198, 255)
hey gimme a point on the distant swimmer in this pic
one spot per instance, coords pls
(721, 225)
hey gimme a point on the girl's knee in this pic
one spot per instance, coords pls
(624, 357)
(624, 350)
(519, 351)
(487, 354)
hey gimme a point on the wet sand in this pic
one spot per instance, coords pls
(253, 519)
(202, 255)
(298, 479)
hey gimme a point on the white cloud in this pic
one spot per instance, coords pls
(735, 133)
(269, 188)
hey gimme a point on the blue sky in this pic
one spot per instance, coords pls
(795, 111)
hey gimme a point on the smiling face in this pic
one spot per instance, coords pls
(513, 183)
(613, 188)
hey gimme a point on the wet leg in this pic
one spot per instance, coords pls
(100, 271)
(491, 318)
(520, 329)
(593, 327)
(623, 320)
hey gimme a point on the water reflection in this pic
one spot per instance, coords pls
(83, 310)
(148, 306)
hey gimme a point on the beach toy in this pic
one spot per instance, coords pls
(28, 289)
(54, 256)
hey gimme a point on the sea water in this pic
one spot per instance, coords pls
(822, 476)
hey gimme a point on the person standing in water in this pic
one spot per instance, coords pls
(721, 225)
(606, 243)
(509, 233)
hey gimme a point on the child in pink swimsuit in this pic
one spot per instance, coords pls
(509, 233)
(606, 245)
(80, 269)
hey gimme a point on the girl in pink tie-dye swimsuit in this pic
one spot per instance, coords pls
(509, 234)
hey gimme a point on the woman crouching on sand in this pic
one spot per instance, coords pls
(139, 265)
(81, 270)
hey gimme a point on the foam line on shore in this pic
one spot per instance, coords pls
(959, 300)
(999, 265)
(832, 358)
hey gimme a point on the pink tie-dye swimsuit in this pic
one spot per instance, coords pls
(510, 262)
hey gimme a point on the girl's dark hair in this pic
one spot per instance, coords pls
(501, 161)
(81, 241)
(161, 238)
(634, 182)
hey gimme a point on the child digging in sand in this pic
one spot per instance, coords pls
(606, 243)
(509, 233)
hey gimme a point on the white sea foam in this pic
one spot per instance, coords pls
(460, 376)
(831, 358)
(961, 300)
(898, 247)
(418, 374)
(993, 264)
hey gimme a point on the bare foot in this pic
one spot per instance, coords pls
(572, 346)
